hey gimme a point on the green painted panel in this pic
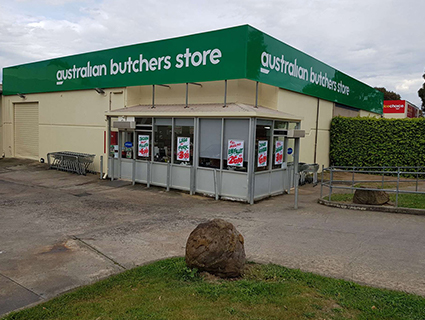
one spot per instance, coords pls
(273, 62)
(233, 53)
(209, 56)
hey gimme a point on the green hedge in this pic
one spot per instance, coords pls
(377, 142)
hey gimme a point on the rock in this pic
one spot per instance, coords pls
(216, 247)
(370, 197)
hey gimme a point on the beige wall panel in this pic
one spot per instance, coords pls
(7, 118)
(8, 139)
(117, 98)
(77, 139)
(323, 148)
(325, 114)
(307, 148)
(344, 112)
(139, 95)
(8, 109)
(73, 121)
(364, 113)
(246, 91)
(267, 95)
(240, 91)
(85, 107)
(210, 92)
(306, 107)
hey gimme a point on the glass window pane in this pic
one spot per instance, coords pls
(162, 143)
(265, 122)
(293, 125)
(163, 121)
(144, 145)
(262, 146)
(127, 144)
(183, 122)
(183, 142)
(281, 124)
(278, 152)
(143, 121)
(237, 131)
(210, 142)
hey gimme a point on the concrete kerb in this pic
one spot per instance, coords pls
(364, 207)
(84, 285)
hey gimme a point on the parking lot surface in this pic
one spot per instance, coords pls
(59, 231)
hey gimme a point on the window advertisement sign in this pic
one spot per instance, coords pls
(262, 153)
(183, 149)
(235, 153)
(143, 146)
(278, 158)
(394, 106)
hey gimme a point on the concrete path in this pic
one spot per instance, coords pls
(59, 231)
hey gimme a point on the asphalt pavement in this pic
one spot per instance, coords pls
(59, 231)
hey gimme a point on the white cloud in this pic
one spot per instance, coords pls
(379, 42)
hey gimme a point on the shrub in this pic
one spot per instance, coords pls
(377, 142)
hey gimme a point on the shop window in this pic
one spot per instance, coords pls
(183, 141)
(293, 125)
(162, 143)
(113, 146)
(280, 127)
(144, 123)
(144, 145)
(290, 147)
(235, 146)
(210, 143)
(127, 144)
(262, 144)
(283, 125)
(279, 152)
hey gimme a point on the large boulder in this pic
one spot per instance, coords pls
(370, 197)
(216, 247)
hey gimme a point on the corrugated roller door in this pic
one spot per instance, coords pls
(26, 130)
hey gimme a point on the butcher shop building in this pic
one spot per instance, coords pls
(223, 113)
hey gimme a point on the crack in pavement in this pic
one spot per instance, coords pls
(20, 285)
(99, 252)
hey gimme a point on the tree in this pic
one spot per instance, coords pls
(388, 95)
(421, 94)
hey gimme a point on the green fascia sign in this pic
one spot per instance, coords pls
(241, 52)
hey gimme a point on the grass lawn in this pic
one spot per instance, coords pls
(416, 201)
(168, 290)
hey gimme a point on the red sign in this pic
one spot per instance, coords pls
(394, 106)
(412, 112)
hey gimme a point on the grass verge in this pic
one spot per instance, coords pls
(416, 201)
(168, 290)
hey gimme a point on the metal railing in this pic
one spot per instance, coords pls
(386, 175)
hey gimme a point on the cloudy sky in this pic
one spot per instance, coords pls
(380, 42)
